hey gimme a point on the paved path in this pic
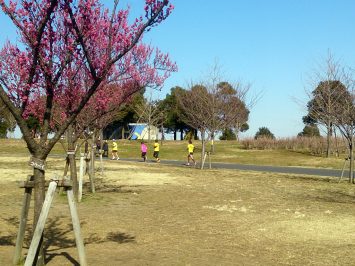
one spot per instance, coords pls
(263, 168)
(260, 168)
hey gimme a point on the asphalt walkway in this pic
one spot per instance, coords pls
(335, 173)
(262, 168)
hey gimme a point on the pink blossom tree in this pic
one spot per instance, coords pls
(143, 67)
(61, 39)
(99, 112)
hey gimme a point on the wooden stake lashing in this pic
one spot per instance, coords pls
(52, 185)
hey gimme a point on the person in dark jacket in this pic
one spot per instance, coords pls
(105, 149)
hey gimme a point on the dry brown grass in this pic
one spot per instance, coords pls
(149, 214)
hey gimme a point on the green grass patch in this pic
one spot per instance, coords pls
(225, 151)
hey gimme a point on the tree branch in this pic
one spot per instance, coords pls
(81, 41)
(31, 144)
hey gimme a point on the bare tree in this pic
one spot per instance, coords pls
(343, 115)
(90, 123)
(150, 112)
(332, 104)
(211, 106)
(326, 96)
(235, 95)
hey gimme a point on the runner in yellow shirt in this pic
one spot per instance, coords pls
(114, 150)
(156, 150)
(190, 155)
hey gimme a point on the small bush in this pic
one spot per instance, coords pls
(264, 133)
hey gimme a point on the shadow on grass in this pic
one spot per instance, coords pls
(312, 178)
(8, 240)
(103, 187)
(120, 238)
(69, 258)
(333, 197)
(59, 235)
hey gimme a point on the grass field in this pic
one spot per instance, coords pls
(150, 214)
(225, 151)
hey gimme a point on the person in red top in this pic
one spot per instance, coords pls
(144, 150)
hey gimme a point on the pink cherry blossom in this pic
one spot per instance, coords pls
(71, 52)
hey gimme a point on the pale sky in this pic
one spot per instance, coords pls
(274, 45)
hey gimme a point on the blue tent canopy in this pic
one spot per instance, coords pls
(136, 130)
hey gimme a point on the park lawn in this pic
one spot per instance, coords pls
(225, 151)
(152, 214)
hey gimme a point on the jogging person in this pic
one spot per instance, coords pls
(190, 155)
(105, 149)
(144, 150)
(114, 150)
(156, 150)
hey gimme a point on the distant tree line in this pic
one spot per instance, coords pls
(331, 106)
(184, 112)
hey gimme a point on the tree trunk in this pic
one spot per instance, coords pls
(65, 173)
(236, 134)
(148, 132)
(100, 152)
(195, 133)
(87, 159)
(66, 166)
(101, 135)
(212, 142)
(39, 195)
(92, 164)
(203, 149)
(351, 157)
(181, 134)
(72, 163)
(162, 135)
(73, 174)
(175, 134)
(336, 143)
(329, 135)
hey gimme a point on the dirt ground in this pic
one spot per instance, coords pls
(150, 214)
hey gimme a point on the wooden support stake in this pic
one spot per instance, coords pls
(65, 173)
(203, 160)
(92, 174)
(101, 164)
(23, 221)
(60, 183)
(76, 227)
(40, 224)
(342, 172)
(81, 177)
(87, 163)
